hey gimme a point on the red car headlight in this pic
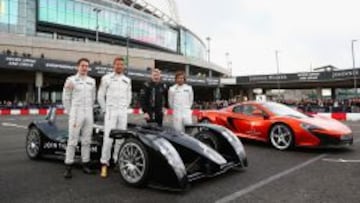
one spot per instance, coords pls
(309, 127)
(346, 137)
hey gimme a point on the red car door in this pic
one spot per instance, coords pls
(247, 119)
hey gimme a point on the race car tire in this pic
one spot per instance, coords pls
(33, 143)
(133, 163)
(208, 138)
(281, 137)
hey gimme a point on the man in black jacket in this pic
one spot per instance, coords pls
(153, 98)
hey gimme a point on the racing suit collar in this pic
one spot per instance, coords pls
(117, 75)
(180, 86)
(80, 76)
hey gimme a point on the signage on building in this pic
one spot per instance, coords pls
(345, 74)
(14, 62)
(65, 67)
(298, 77)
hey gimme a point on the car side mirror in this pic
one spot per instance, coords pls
(260, 113)
(257, 113)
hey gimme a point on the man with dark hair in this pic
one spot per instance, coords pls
(82, 60)
(78, 99)
(114, 97)
(153, 97)
(181, 97)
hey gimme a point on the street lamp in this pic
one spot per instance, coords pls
(228, 62)
(127, 47)
(353, 61)
(128, 33)
(208, 50)
(9, 14)
(278, 71)
(227, 59)
(97, 11)
(230, 68)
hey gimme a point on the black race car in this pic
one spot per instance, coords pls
(151, 155)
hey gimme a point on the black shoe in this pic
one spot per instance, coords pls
(67, 174)
(87, 169)
(116, 168)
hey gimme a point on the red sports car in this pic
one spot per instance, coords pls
(280, 125)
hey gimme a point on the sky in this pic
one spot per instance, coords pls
(306, 33)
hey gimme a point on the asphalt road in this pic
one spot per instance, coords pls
(300, 175)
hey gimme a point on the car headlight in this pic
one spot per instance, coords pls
(309, 127)
(346, 137)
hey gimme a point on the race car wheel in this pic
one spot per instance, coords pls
(133, 163)
(33, 143)
(281, 137)
(208, 138)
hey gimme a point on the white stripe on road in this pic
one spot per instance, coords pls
(266, 181)
(341, 160)
(14, 125)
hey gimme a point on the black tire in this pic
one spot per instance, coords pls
(208, 138)
(128, 160)
(33, 144)
(281, 133)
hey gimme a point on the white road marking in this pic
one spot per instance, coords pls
(341, 160)
(268, 180)
(14, 125)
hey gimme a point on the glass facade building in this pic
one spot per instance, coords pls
(18, 16)
(119, 22)
(23, 16)
(191, 46)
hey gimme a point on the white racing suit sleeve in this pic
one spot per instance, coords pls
(102, 94)
(191, 96)
(67, 95)
(129, 94)
(171, 98)
(94, 94)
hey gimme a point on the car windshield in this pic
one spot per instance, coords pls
(282, 110)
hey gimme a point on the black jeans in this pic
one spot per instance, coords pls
(156, 117)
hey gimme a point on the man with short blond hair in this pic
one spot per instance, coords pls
(114, 97)
(153, 98)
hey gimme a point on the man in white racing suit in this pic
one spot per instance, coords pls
(78, 99)
(114, 97)
(181, 98)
